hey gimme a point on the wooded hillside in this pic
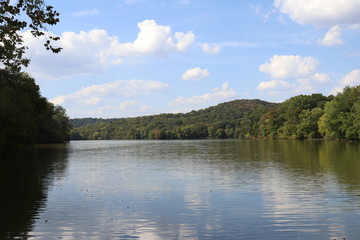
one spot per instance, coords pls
(301, 117)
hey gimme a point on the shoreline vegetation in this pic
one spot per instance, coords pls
(301, 117)
(27, 118)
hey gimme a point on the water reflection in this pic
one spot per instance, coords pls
(24, 182)
(199, 190)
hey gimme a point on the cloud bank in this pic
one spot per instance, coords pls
(94, 94)
(292, 75)
(86, 53)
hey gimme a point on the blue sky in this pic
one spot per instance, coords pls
(126, 58)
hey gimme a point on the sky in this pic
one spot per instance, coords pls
(128, 58)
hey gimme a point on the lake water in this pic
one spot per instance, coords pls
(207, 189)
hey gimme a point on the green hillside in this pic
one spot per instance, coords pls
(301, 117)
(220, 121)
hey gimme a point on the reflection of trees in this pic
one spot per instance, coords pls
(309, 158)
(24, 182)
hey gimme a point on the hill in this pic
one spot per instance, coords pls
(215, 122)
(301, 117)
(80, 122)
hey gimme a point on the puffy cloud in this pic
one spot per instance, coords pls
(274, 84)
(92, 52)
(195, 74)
(286, 67)
(211, 49)
(321, 12)
(316, 79)
(332, 37)
(155, 39)
(120, 88)
(311, 83)
(124, 109)
(83, 53)
(281, 87)
(218, 94)
(352, 78)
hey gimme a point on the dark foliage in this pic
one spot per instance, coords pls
(12, 22)
(27, 118)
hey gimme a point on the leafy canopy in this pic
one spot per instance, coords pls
(11, 23)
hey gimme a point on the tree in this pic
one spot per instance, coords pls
(26, 117)
(11, 23)
(341, 116)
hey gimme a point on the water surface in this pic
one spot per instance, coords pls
(208, 189)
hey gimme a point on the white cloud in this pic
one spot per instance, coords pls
(311, 83)
(321, 12)
(352, 78)
(155, 39)
(60, 100)
(93, 100)
(281, 87)
(113, 99)
(83, 53)
(130, 106)
(240, 44)
(195, 74)
(274, 84)
(218, 94)
(124, 109)
(120, 88)
(287, 67)
(92, 52)
(332, 37)
(211, 49)
(316, 79)
(85, 13)
(216, 48)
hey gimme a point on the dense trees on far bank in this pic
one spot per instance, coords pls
(301, 117)
(341, 118)
(222, 121)
(26, 117)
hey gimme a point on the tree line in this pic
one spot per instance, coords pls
(312, 116)
(27, 118)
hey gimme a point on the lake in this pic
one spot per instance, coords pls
(201, 189)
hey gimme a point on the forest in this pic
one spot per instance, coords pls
(312, 116)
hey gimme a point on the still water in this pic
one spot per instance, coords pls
(208, 189)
